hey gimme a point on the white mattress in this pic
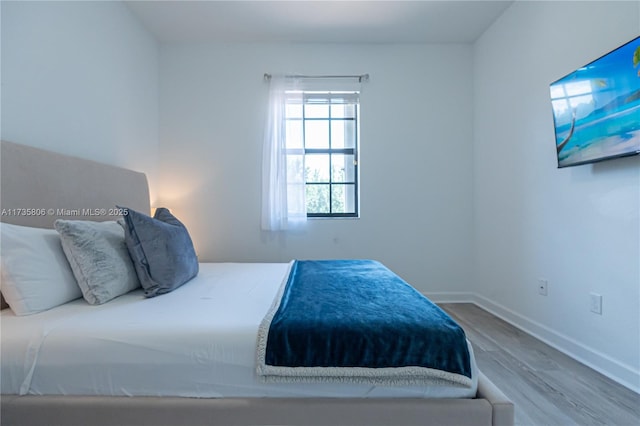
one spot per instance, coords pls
(198, 341)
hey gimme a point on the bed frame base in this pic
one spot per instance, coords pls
(491, 407)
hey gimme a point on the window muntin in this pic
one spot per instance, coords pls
(323, 127)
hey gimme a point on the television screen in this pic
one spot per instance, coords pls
(596, 109)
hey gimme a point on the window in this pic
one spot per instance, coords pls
(310, 151)
(321, 136)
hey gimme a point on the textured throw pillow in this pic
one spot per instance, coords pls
(161, 250)
(99, 258)
(35, 273)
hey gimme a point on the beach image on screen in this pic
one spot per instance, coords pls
(596, 108)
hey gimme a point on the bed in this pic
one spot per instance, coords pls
(228, 300)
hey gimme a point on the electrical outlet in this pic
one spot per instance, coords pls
(595, 303)
(542, 287)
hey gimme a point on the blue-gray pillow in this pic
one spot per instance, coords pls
(161, 250)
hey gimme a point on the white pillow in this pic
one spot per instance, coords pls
(35, 273)
(99, 258)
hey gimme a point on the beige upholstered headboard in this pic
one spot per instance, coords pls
(37, 187)
(65, 186)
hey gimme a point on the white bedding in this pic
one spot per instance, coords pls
(198, 341)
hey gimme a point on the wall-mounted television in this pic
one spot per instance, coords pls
(596, 108)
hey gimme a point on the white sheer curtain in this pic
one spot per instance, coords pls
(283, 181)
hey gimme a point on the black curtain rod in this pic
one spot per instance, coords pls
(361, 77)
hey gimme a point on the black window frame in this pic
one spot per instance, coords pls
(330, 151)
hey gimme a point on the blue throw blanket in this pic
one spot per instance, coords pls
(356, 321)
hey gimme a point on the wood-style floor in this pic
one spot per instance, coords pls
(547, 387)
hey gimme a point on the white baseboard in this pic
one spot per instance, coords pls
(626, 375)
(451, 297)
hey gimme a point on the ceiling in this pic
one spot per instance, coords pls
(425, 21)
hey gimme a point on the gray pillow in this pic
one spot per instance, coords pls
(99, 258)
(161, 250)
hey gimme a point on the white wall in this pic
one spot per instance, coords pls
(80, 78)
(576, 227)
(415, 155)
